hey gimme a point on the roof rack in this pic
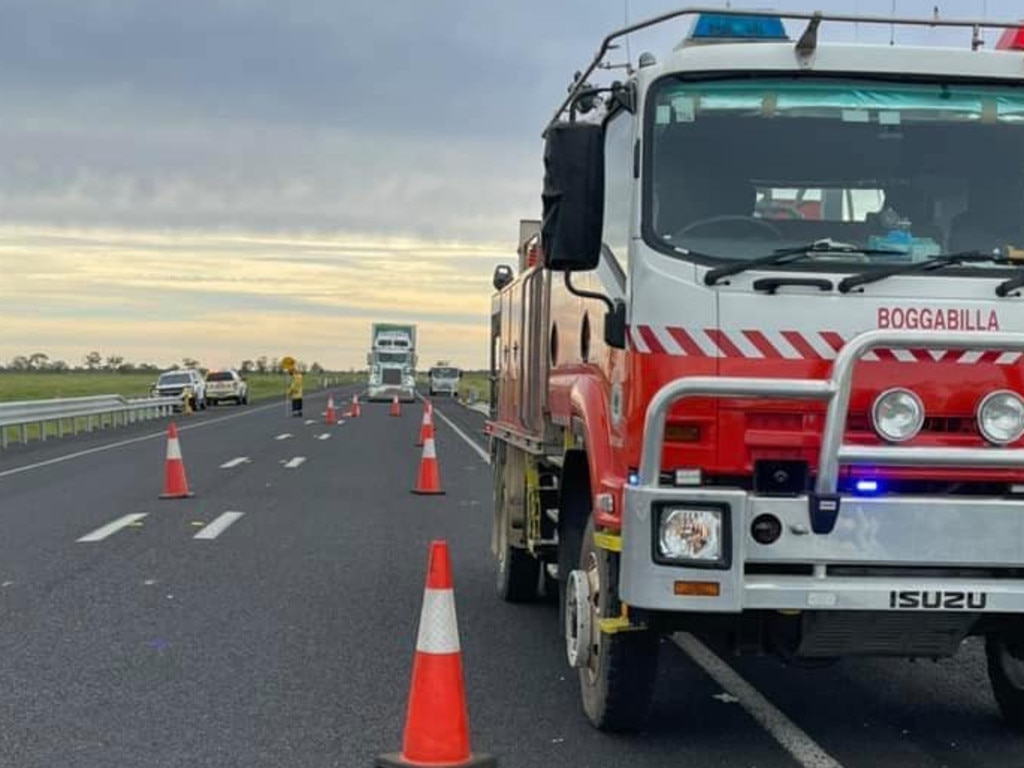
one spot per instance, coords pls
(804, 47)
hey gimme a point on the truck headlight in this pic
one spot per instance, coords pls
(897, 415)
(693, 534)
(1001, 417)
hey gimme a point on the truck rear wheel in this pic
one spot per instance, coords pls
(617, 670)
(517, 571)
(1004, 652)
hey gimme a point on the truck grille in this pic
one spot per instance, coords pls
(391, 376)
(831, 634)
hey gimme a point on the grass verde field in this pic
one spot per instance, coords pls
(17, 385)
(35, 386)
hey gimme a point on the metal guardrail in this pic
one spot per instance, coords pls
(87, 412)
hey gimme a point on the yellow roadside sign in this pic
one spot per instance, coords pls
(287, 362)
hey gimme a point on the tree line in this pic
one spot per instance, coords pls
(94, 362)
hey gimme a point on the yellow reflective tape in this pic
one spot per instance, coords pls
(617, 624)
(608, 541)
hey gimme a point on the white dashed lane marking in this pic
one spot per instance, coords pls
(217, 526)
(295, 463)
(236, 462)
(111, 528)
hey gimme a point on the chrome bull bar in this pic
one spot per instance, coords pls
(890, 531)
(835, 391)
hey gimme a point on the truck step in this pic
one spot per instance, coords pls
(552, 569)
(552, 514)
(545, 547)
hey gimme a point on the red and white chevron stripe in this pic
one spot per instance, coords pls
(785, 345)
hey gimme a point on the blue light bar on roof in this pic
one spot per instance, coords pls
(713, 26)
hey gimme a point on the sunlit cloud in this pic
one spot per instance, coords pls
(226, 297)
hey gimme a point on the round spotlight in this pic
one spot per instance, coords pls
(766, 529)
(1001, 417)
(897, 415)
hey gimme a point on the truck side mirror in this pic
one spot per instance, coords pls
(573, 197)
(615, 326)
(503, 275)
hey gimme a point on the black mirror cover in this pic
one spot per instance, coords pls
(573, 196)
(503, 275)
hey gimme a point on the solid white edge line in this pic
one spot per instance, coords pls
(483, 454)
(131, 441)
(113, 527)
(217, 526)
(802, 747)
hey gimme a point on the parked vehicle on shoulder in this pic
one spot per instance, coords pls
(172, 383)
(226, 385)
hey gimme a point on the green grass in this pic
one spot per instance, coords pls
(476, 382)
(42, 386)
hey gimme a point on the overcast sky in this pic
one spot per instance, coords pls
(228, 178)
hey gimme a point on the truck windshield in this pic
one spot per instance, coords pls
(173, 379)
(737, 169)
(445, 373)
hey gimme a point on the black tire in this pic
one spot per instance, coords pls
(517, 575)
(573, 513)
(516, 572)
(1004, 653)
(618, 685)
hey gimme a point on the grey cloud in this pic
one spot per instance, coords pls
(399, 116)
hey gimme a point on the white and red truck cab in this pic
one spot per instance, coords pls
(759, 373)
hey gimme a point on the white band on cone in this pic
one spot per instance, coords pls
(173, 450)
(428, 449)
(439, 629)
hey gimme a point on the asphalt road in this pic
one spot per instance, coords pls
(285, 637)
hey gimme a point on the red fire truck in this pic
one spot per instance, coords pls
(797, 434)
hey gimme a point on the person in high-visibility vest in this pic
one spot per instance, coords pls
(295, 391)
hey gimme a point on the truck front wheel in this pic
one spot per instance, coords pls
(617, 670)
(1004, 652)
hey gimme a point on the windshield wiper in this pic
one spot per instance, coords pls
(1006, 287)
(786, 255)
(847, 284)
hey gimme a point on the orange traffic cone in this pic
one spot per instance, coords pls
(396, 409)
(330, 417)
(426, 427)
(436, 721)
(353, 410)
(429, 479)
(175, 484)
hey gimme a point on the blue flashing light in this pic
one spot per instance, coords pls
(713, 26)
(633, 478)
(867, 486)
